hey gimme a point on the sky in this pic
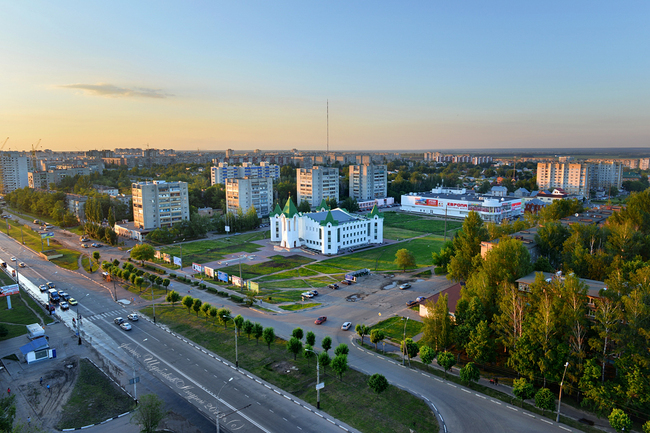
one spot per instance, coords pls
(243, 75)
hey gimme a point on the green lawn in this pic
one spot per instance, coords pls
(275, 264)
(382, 259)
(285, 284)
(280, 296)
(20, 315)
(94, 399)
(394, 328)
(294, 273)
(295, 307)
(349, 399)
(396, 233)
(414, 223)
(325, 269)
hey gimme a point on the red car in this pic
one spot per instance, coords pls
(320, 320)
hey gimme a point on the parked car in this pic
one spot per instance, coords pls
(320, 320)
(93, 245)
(50, 285)
(346, 326)
(118, 320)
(420, 298)
(333, 286)
(411, 303)
(64, 295)
(53, 295)
(64, 305)
(133, 316)
(314, 292)
(43, 288)
(72, 301)
(404, 286)
(307, 295)
(84, 246)
(346, 282)
(126, 326)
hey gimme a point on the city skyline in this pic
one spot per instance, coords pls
(243, 76)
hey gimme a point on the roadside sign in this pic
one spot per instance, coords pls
(134, 381)
(9, 290)
(320, 385)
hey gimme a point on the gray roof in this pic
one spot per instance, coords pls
(468, 196)
(339, 215)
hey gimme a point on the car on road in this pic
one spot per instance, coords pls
(84, 246)
(133, 316)
(13, 259)
(98, 245)
(333, 286)
(126, 326)
(420, 298)
(404, 286)
(53, 295)
(346, 326)
(314, 292)
(84, 239)
(346, 282)
(50, 285)
(64, 305)
(307, 295)
(43, 288)
(118, 320)
(93, 245)
(21, 265)
(411, 303)
(64, 295)
(72, 301)
(320, 320)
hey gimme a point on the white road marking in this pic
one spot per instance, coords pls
(469, 392)
(510, 407)
(494, 401)
(564, 428)
(426, 375)
(546, 421)
(530, 415)
(451, 385)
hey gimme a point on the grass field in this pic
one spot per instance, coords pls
(294, 273)
(394, 222)
(394, 328)
(94, 399)
(295, 307)
(277, 263)
(349, 399)
(325, 269)
(20, 315)
(280, 296)
(285, 284)
(382, 259)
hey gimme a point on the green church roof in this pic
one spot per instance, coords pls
(290, 209)
(375, 211)
(329, 219)
(323, 205)
(277, 210)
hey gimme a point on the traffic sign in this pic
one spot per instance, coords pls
(320, 385)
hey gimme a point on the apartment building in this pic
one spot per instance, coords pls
(574, 178)
(644, 163)
(317, 184)
(223, 171)
(368, 182)
(159, 204)
(605, 174)
(242, 193)
(14, 167)
(43, 179)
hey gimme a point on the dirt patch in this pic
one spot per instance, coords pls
(355, 297)
(285, 368)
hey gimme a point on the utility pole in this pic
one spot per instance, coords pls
(445, 223)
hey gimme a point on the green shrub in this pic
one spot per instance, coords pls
(439, 271)
(224, 294)
(195, 283)
(236, 298)
(213, 290)
(172, 275)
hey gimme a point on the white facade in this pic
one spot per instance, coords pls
(246, 192)
(223, 171)
(325, 231)
(574, 178)
(317, 184)
(605, 174)
(644, 163)
(368, 182)
(159, 204)
(14, 167)
(457, 203)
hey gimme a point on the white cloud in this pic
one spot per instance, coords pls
(110, 90)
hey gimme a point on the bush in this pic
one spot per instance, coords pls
(236, 298)
(224, 294)
(172, 275)
(202, 286)
(439, 270)
(213, 290)
(544, 399)
(195, 283)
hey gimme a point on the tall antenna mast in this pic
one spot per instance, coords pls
(328, 126)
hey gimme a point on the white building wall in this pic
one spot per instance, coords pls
(317, 183)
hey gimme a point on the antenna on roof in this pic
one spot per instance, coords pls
(328, 126)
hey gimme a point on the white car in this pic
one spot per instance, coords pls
(404, 286)
(133, 316)
(126, 326)
(346, 326)
(307, 295)
(13, 259)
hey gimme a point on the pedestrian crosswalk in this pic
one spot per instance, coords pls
(106, 315)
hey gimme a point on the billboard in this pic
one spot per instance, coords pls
(253, 286)
(209, 271)
(167, 257)
(236, 281)
(47, 235)
(197, 267)
(222, 276)
(9, 290)
(157, 255)
(426, 202)
(177, 261)
(456, 205)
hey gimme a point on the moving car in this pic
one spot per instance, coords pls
(411, 303)
(133, 316)
(333, 286)
(404, 286)
(84, 246)
(126, 326)
(72, 301)
(13, 259)
(307, 295)
(346, 326)
(320, 320)
(50, 285)
(21, 265)
(118, 320)
(420, 298)
(53, 295)
(64, 295)
(43, 288)
(93, 245)
(64, 305)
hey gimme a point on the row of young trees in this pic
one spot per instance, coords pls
(135, 276)
(43, 204)
(604, 336)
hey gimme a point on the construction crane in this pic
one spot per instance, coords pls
(34, 148)
(3, 144)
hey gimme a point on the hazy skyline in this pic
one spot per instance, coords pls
(244, 75)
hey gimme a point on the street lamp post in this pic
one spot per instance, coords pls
(241, 289)
(317, 379)
(217, 402)
(559, 402)
(404, 342)
(153, 304)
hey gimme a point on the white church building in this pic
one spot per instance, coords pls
(326, 231)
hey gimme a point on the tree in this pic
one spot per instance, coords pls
(138, 281)
(149, 413)
(544, 399)
(404, 259)
(111, 218)
(467, 245)
(143, 252)
(188, 301)
(481, 346)
(298, 333)
(258, 331)
(196, 306)
(248, 328)
(96, 256)
(620, 421)
(304, 206)
(166, 283)
(376, 335)
(522, 389)
(410, 348)
(646, 427)
(427, 354)
(470, 373)
(350, 204)
(326, 343)
(341, 349)
(310, 338)
(362, 330)
(269, 336)
(340, 365)
(446, 360)
(294, 345)
(378, 383)
(239, 322)
(308, 352)
(7, 412)
(214, 311)
(437, 326)
(205, 309)
(324, 359)
(224, 317)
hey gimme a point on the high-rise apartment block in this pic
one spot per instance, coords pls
(644, 163)
(14, 167)
(317, 184)
(368, 182)
(579, 177)
(605, 174)
(242, 193)
(223, 171)
(159, 204)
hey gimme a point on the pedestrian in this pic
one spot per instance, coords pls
(9, 391)
(41, 380)
(29, 420)
(48, 387)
